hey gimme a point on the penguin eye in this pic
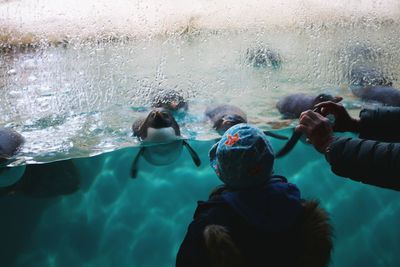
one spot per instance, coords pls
(323, 97)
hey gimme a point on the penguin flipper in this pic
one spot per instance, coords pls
(277, 136)
(136, 127)
(193, 154)
(134, 167)
(289, 144)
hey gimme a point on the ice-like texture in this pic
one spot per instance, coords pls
(74, 75)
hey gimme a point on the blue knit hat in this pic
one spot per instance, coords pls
(243, 158)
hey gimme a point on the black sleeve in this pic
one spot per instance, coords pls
(367, 161)
(192, 252)
(381, 124)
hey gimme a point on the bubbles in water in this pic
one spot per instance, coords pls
(74, 85)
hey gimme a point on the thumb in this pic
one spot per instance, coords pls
(299, 128)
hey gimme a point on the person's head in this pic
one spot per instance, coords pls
(243, 158)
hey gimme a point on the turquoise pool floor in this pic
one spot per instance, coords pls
(113, 220)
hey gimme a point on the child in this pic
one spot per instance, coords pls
(256, 218)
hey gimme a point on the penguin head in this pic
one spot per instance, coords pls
(327, 97)
(160, 118)
(227, 121)
(170, 100)
(10, 143)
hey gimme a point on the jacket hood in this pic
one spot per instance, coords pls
(271, 208)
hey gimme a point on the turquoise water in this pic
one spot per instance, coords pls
(110, 219)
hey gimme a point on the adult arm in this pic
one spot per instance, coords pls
(382, 124)
(367, 161)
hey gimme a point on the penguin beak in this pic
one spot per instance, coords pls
(4, 156)
(225, 120)
(337, 99)
(227, 123)
(155, 114)
(174, 105)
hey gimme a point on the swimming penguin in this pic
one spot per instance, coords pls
(297, 135)
(361, 65)
(360, 54)
(291, 106)
(363, 75)
(161, 137)
(10, 144)
(386, 95)
(169, 99)
(225, 116)
(263, 57)
(289, 145)
(46, 180)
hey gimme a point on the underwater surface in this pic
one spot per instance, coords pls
(109, 219)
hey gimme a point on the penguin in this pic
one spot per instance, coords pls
(161, 139)
(364, 76)
(295, 137)
(263, 57)
(10, 144)
(225, 116)
(385, 95)
(45, 180)
(171, 100)
(291, 106)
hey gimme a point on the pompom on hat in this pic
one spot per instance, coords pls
(243, 158)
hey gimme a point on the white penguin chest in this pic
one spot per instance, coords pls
(165, 147)
(161, 135)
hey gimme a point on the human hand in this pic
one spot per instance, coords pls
(343, 121)
(317, 129)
